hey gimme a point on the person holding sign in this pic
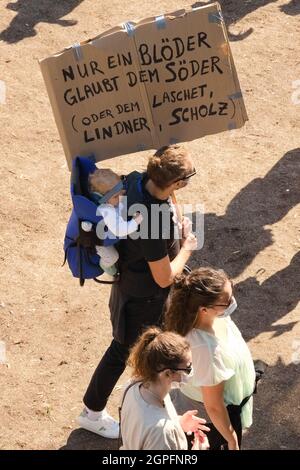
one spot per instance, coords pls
(160, 361)
(200, 308)
(147, 265)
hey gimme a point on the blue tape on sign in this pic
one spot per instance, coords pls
(236, 96)
(77, 51)
(141, 147)
(215, 17)
(231, 125)
(129, 28)
(173, 141)
(161, 22)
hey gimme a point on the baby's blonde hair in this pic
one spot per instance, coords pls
(103, 180)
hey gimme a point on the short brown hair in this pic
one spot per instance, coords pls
(200, 288)
(156, 350)
(168, 164)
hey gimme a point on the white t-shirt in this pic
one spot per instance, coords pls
(223, 357)
(114, 221)
(146, 427)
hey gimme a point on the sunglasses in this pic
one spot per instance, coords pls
(187, 369)
(184, 178)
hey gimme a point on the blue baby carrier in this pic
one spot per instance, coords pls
(79, 245)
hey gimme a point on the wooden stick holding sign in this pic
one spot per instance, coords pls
(184, 224)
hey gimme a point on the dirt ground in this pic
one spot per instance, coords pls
(248, 180)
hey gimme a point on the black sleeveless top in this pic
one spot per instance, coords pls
(135, 276)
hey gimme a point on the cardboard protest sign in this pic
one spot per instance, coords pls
(142, 85)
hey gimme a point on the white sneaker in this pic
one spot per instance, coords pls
(106, 426)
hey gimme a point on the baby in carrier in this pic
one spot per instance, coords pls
(100, 183)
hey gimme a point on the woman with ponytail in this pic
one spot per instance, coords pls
(199, 308)
(148, 418)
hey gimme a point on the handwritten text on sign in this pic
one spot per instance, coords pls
(129, 92)
(168, 53)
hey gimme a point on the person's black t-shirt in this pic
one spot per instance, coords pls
(136, 279)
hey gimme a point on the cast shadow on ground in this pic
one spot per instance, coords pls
(276, 412)
(32, 12)
(232, 242)
(79, 439)
(292, 8)
(263, 304)
(234, 239)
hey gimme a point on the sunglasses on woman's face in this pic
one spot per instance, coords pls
(224, 305)
(187, 369)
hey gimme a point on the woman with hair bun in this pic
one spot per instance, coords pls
(200, 308)
(147, 264)
(159, 360)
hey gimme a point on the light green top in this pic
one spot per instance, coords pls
(222, 357)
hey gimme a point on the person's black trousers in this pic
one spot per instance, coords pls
(139, 313)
